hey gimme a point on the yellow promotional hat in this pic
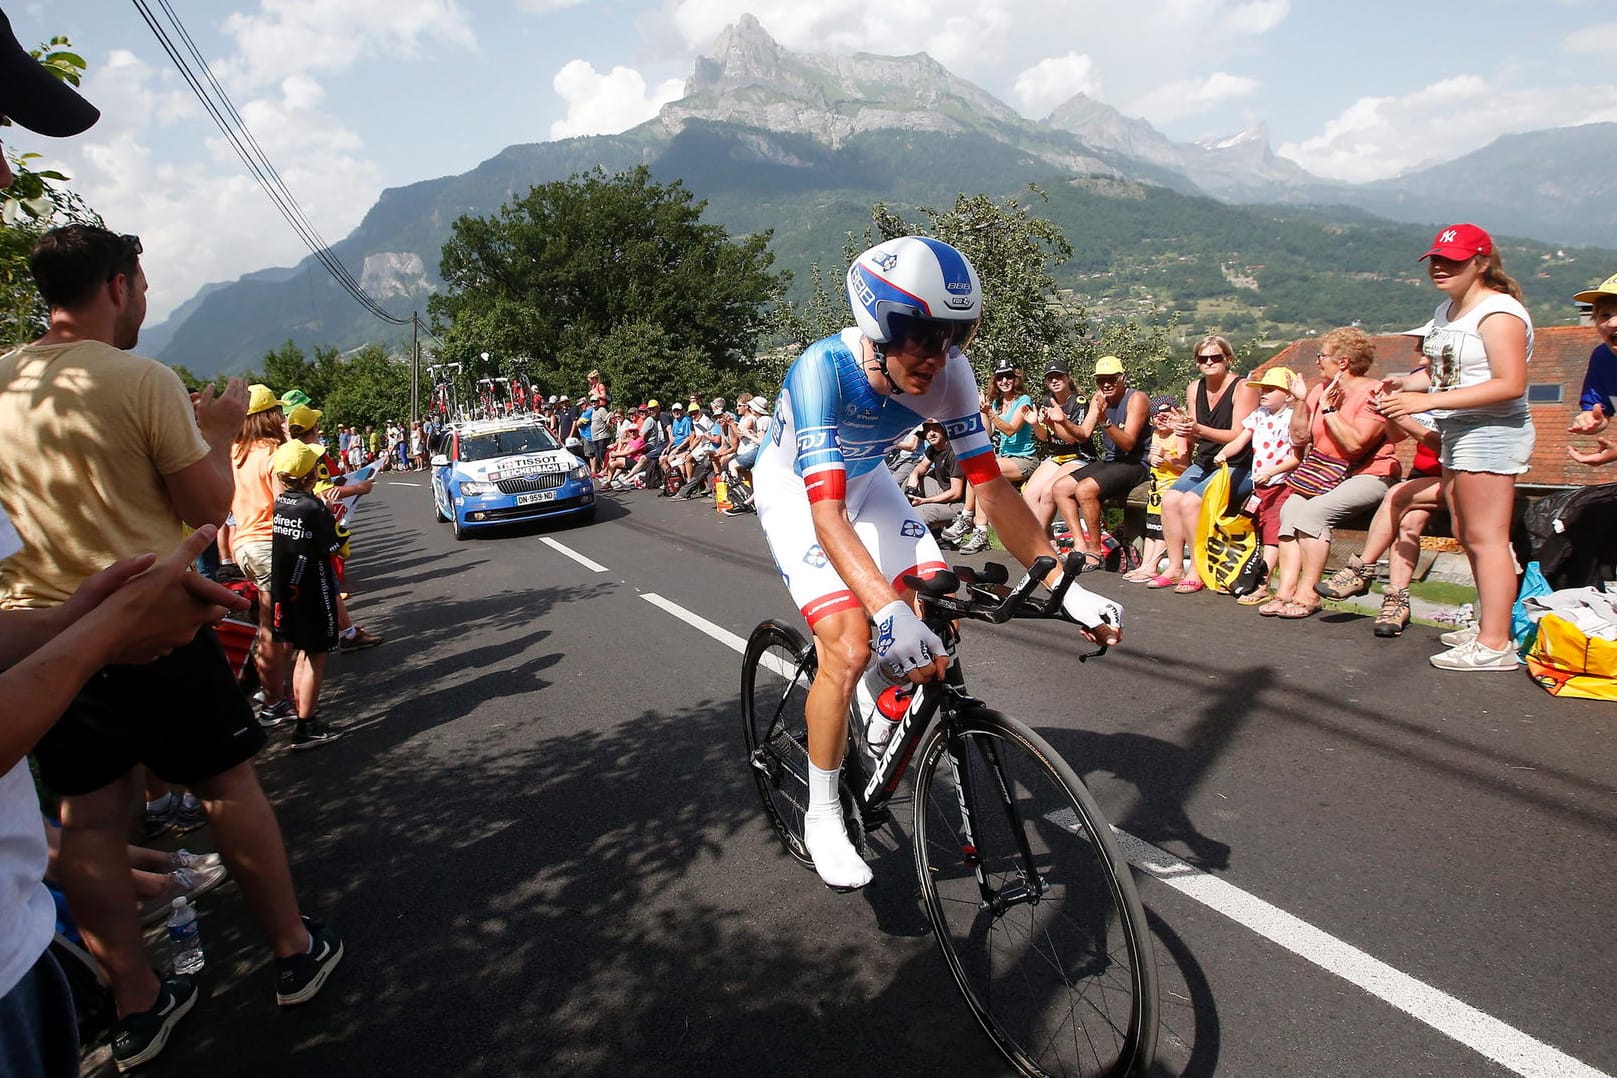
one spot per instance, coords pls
(303, 418)
(1275, 378)
(1608, 287)
(1107, 365)
(295, 458)
(261, 398)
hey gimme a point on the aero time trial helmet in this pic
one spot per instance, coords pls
(915, 285)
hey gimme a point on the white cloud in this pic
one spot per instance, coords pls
(1188, 97)
(546, 7)
(1591, 40)
(1378, 137)
(290, 36)
(1053, 80)
(604, 104)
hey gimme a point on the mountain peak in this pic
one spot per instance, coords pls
(743, 54)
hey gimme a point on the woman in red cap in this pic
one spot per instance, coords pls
(1475, 385)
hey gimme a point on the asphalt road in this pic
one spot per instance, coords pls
(540, 843)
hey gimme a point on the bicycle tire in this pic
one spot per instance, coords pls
(776, 671)
(1063, 983)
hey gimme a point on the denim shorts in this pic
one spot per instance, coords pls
(1195, 478)
(1499, 445)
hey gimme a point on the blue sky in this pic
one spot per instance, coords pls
(351, 96)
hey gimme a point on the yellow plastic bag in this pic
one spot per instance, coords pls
(1565, 662)
(1225, 536)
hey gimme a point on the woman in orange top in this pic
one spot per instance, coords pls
(252, 510)
(1347, 467)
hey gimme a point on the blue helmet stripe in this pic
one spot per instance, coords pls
(952, 263)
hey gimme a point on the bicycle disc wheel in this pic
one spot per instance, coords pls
(776, 673)
(1051, 947)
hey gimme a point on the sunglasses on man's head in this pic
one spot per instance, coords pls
(131, 251)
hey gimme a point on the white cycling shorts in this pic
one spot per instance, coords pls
(882, 517)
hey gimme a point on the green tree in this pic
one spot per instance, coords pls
(33, 203)
(608, 271)
(372, 388)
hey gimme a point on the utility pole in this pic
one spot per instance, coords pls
(415, 366)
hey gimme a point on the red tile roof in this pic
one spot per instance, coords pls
(1560, 355)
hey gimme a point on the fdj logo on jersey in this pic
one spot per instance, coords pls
(912, 529)
(959, 428)
(815, 557)
(884, 637)
(811, 440)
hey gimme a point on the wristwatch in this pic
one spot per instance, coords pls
(1326, 411)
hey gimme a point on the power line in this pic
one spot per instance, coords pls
(252, 155)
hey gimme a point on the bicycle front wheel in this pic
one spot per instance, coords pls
(776, 672)
(1032, 902)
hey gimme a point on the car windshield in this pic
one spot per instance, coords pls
(506, 443)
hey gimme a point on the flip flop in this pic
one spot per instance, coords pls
(1257, 598)
(1297, 611)
(1162, 582)
(1188, 587)
(1139, 576)
(1273, 607)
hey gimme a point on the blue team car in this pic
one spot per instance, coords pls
(502, 471)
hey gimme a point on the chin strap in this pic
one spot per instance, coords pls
(881, 366)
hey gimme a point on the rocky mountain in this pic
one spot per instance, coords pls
(1239, 169)
(803, 144)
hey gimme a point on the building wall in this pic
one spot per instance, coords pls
(1560, 355)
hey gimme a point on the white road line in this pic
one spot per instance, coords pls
(594, 567)
(1481, 1032)
(401, 483)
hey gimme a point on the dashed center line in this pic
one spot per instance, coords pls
(1484, 1034)
(592, 566)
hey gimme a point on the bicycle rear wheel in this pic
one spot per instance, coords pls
(776, 672)
(1050, 944)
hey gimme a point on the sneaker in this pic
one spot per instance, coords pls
(299, 979)
(189, 816)
(740, 510)
(359, 641)
(1474, 655)
(183, 858)
(1352, 579)
(311, 734)
(977, 540)
(156, 822)
(956, 531)
(182, 883)
(139, 1038)
(273, 715)
(1394, 612)
(1458, 636)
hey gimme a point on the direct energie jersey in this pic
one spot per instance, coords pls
(835, 428)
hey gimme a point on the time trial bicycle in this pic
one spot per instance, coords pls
(1029, 895)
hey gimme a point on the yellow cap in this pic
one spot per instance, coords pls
(295, 458)
(261, 398)
(1106, 365)
(1276, 378)
(1608, 287)
(303, 418)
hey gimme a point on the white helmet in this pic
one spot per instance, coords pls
(915, 277)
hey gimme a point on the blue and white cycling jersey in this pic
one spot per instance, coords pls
(831, 428)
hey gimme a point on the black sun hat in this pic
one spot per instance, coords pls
(33, 97)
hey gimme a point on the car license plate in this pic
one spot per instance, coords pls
(536, 497)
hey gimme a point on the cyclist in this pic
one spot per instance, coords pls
(842, 532)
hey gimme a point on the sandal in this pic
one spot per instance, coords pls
(1139, 576)
(1162, 582)
(1295, 611)
(1257, 598)
(1188, 587)
(1273, 607)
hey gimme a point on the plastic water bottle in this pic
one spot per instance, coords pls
(892, 703)
(185, 937)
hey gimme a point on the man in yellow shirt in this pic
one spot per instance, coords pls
(106, 458)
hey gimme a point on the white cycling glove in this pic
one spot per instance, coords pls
(1091, 610)
(903, 642)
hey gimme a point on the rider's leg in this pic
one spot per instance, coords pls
(842, 641)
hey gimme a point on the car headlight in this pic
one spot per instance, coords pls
(475, 490)
(581, 473)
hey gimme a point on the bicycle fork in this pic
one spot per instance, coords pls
(1029, 887)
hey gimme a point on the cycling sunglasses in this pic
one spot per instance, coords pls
(930, 336)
